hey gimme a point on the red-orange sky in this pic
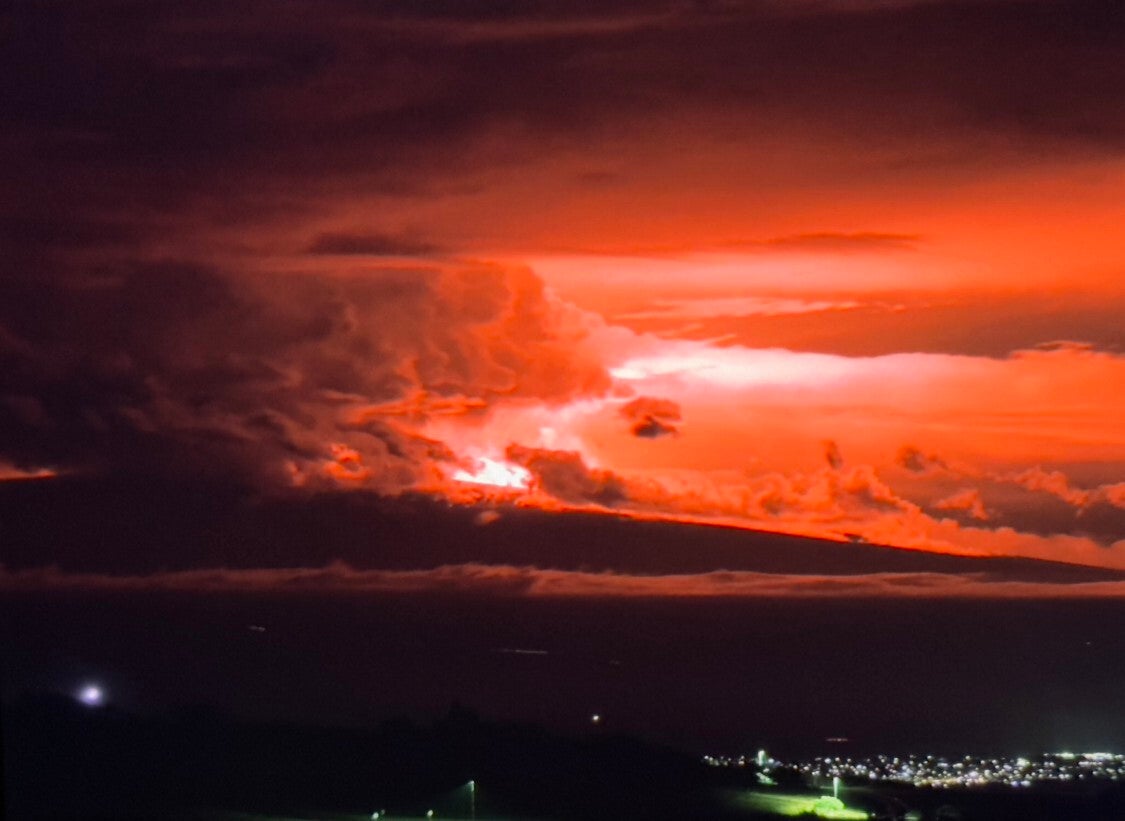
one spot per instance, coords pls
(848, 269)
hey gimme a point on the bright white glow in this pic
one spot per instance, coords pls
(496, 473)
(91, 695)
(738, 367)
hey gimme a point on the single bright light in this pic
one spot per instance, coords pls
(91, 695)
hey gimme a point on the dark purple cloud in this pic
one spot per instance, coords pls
(183, 370)
(565, 475)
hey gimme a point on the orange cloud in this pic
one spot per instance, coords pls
(968, 500)
(1054, 482)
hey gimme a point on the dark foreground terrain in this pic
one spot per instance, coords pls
(63, 759)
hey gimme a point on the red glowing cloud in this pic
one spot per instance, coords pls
(434, 267)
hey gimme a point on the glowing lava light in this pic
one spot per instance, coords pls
(496, 473)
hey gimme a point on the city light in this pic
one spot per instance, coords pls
(943, 773)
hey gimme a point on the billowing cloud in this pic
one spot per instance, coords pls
(1054, 482)
(565, 476)
(181, 369)
(1114, 494)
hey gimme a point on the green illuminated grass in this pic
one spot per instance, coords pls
(797, 805)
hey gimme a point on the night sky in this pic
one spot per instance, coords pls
(745, 371)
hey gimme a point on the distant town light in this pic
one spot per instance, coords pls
(935, 771)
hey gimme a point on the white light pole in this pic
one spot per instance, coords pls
(473, 798)
(836, 787)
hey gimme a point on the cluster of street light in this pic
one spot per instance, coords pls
(939, 771)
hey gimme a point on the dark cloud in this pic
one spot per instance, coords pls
(383, 245)
(132, 102)
(652, 427)
(916, 461)
(564, 475)
(1030, 500)
(973, 324)
(176, 368)
(651, 418)
(832, 455)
